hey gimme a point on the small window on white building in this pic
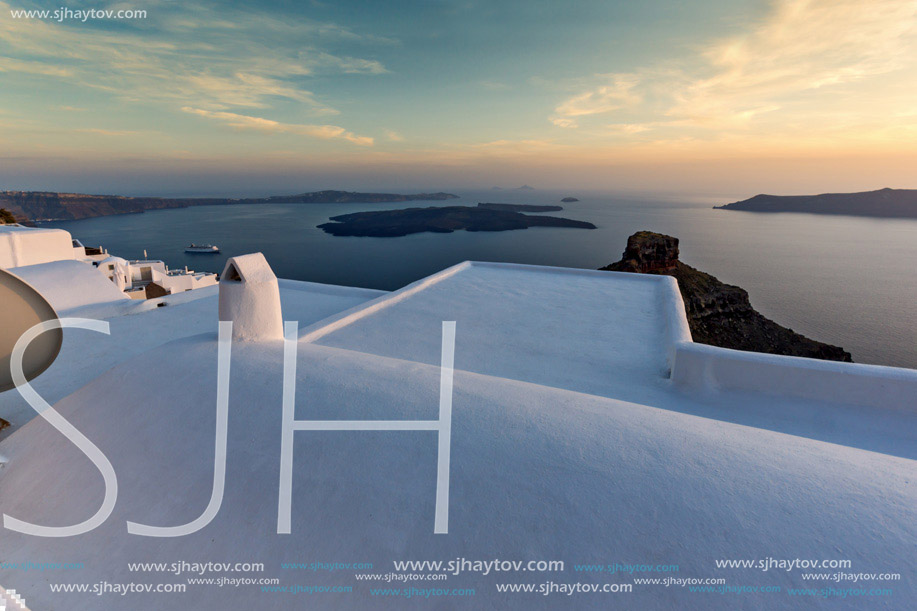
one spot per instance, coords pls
(233, 274)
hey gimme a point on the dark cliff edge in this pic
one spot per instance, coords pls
(884, 203)
(718, 314)
(44, 206)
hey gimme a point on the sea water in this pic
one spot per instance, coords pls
(849, 281)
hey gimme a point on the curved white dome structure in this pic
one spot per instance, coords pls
(23, 308)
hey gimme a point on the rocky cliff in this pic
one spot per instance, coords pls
(719, 314)
(350, 197)
(38, 205)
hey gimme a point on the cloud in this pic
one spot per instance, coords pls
(8, 64)
(632, 128)
(217, 57)
(351, 65)
(520, 147)
(394, 136)
(249, 90)
(108, 132)
(244, 122)
(564, 122)
(804, 58)
(604, 99)
(337, 32)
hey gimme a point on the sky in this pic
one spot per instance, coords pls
(702, 97)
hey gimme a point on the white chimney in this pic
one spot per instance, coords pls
(250, 298)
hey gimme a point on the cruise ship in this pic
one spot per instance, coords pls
(203, 249)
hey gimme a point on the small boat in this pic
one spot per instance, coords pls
(207, 249)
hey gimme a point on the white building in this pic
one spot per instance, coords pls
(117, 270)
(139, 279)
(149, 278)
(21, 246)
(584, 426)
(174, 281)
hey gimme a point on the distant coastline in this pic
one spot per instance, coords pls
(51, 206)
(884, 203)
(520, 207)
(776, 262)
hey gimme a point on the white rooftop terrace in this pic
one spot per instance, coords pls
(570, 329)
(618, 335)
(570, 441)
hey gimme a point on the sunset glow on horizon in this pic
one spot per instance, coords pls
(714, 97)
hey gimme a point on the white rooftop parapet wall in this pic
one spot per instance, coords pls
(20, 246)
(677, 331)
(707, 368)
(250, 298)
(702, 368)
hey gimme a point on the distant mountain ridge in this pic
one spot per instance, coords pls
(43, 206)
(884, 203)
(520, 207)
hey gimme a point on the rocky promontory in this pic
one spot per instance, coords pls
(569, 200)
(718, 314)
(884, 203)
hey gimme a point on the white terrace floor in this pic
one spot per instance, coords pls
(570, 329)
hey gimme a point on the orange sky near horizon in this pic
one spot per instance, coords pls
(782, 96)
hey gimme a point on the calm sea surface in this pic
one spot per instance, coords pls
(843, 280)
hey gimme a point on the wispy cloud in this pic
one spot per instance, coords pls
(394, 136)
(9, 64)
(351, 65)
(791, 67)
(211, 56)
(494, 85)
(248, 90)
(619, 93)
(107, 132)
(245, 122)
